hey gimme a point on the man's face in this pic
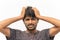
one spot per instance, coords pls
(30, 23)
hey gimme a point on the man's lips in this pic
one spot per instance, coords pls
(31, 25)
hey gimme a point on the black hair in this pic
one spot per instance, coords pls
(29, 12)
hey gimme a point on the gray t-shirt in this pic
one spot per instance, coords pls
(22, 35)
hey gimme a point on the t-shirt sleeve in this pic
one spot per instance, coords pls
(12, 34)
(47, 35)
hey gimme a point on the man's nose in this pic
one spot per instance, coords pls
(30, 21)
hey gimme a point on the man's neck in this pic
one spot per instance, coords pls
(32, 32)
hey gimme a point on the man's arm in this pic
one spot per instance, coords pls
(53, 31)
(6, 22)
(3, 24)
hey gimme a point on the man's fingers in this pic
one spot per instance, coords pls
(23, 10)
(36, 11)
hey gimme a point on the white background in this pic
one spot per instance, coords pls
(12, 8)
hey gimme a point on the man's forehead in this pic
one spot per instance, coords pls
(30, 17)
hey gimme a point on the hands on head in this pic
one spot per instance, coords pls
(37, 14)
(22, 13)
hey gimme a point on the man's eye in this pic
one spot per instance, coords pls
(27, 19)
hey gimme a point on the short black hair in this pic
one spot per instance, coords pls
(29, 12)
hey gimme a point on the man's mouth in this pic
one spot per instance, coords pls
(30, 24)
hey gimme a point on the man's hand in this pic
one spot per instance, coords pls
(37, 14)
(22, 13)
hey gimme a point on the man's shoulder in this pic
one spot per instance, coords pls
(15, 30)
(44, 30)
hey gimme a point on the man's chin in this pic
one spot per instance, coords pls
(31, 29)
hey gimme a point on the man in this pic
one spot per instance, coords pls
(30, 17)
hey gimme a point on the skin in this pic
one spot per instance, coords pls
(28, 20)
